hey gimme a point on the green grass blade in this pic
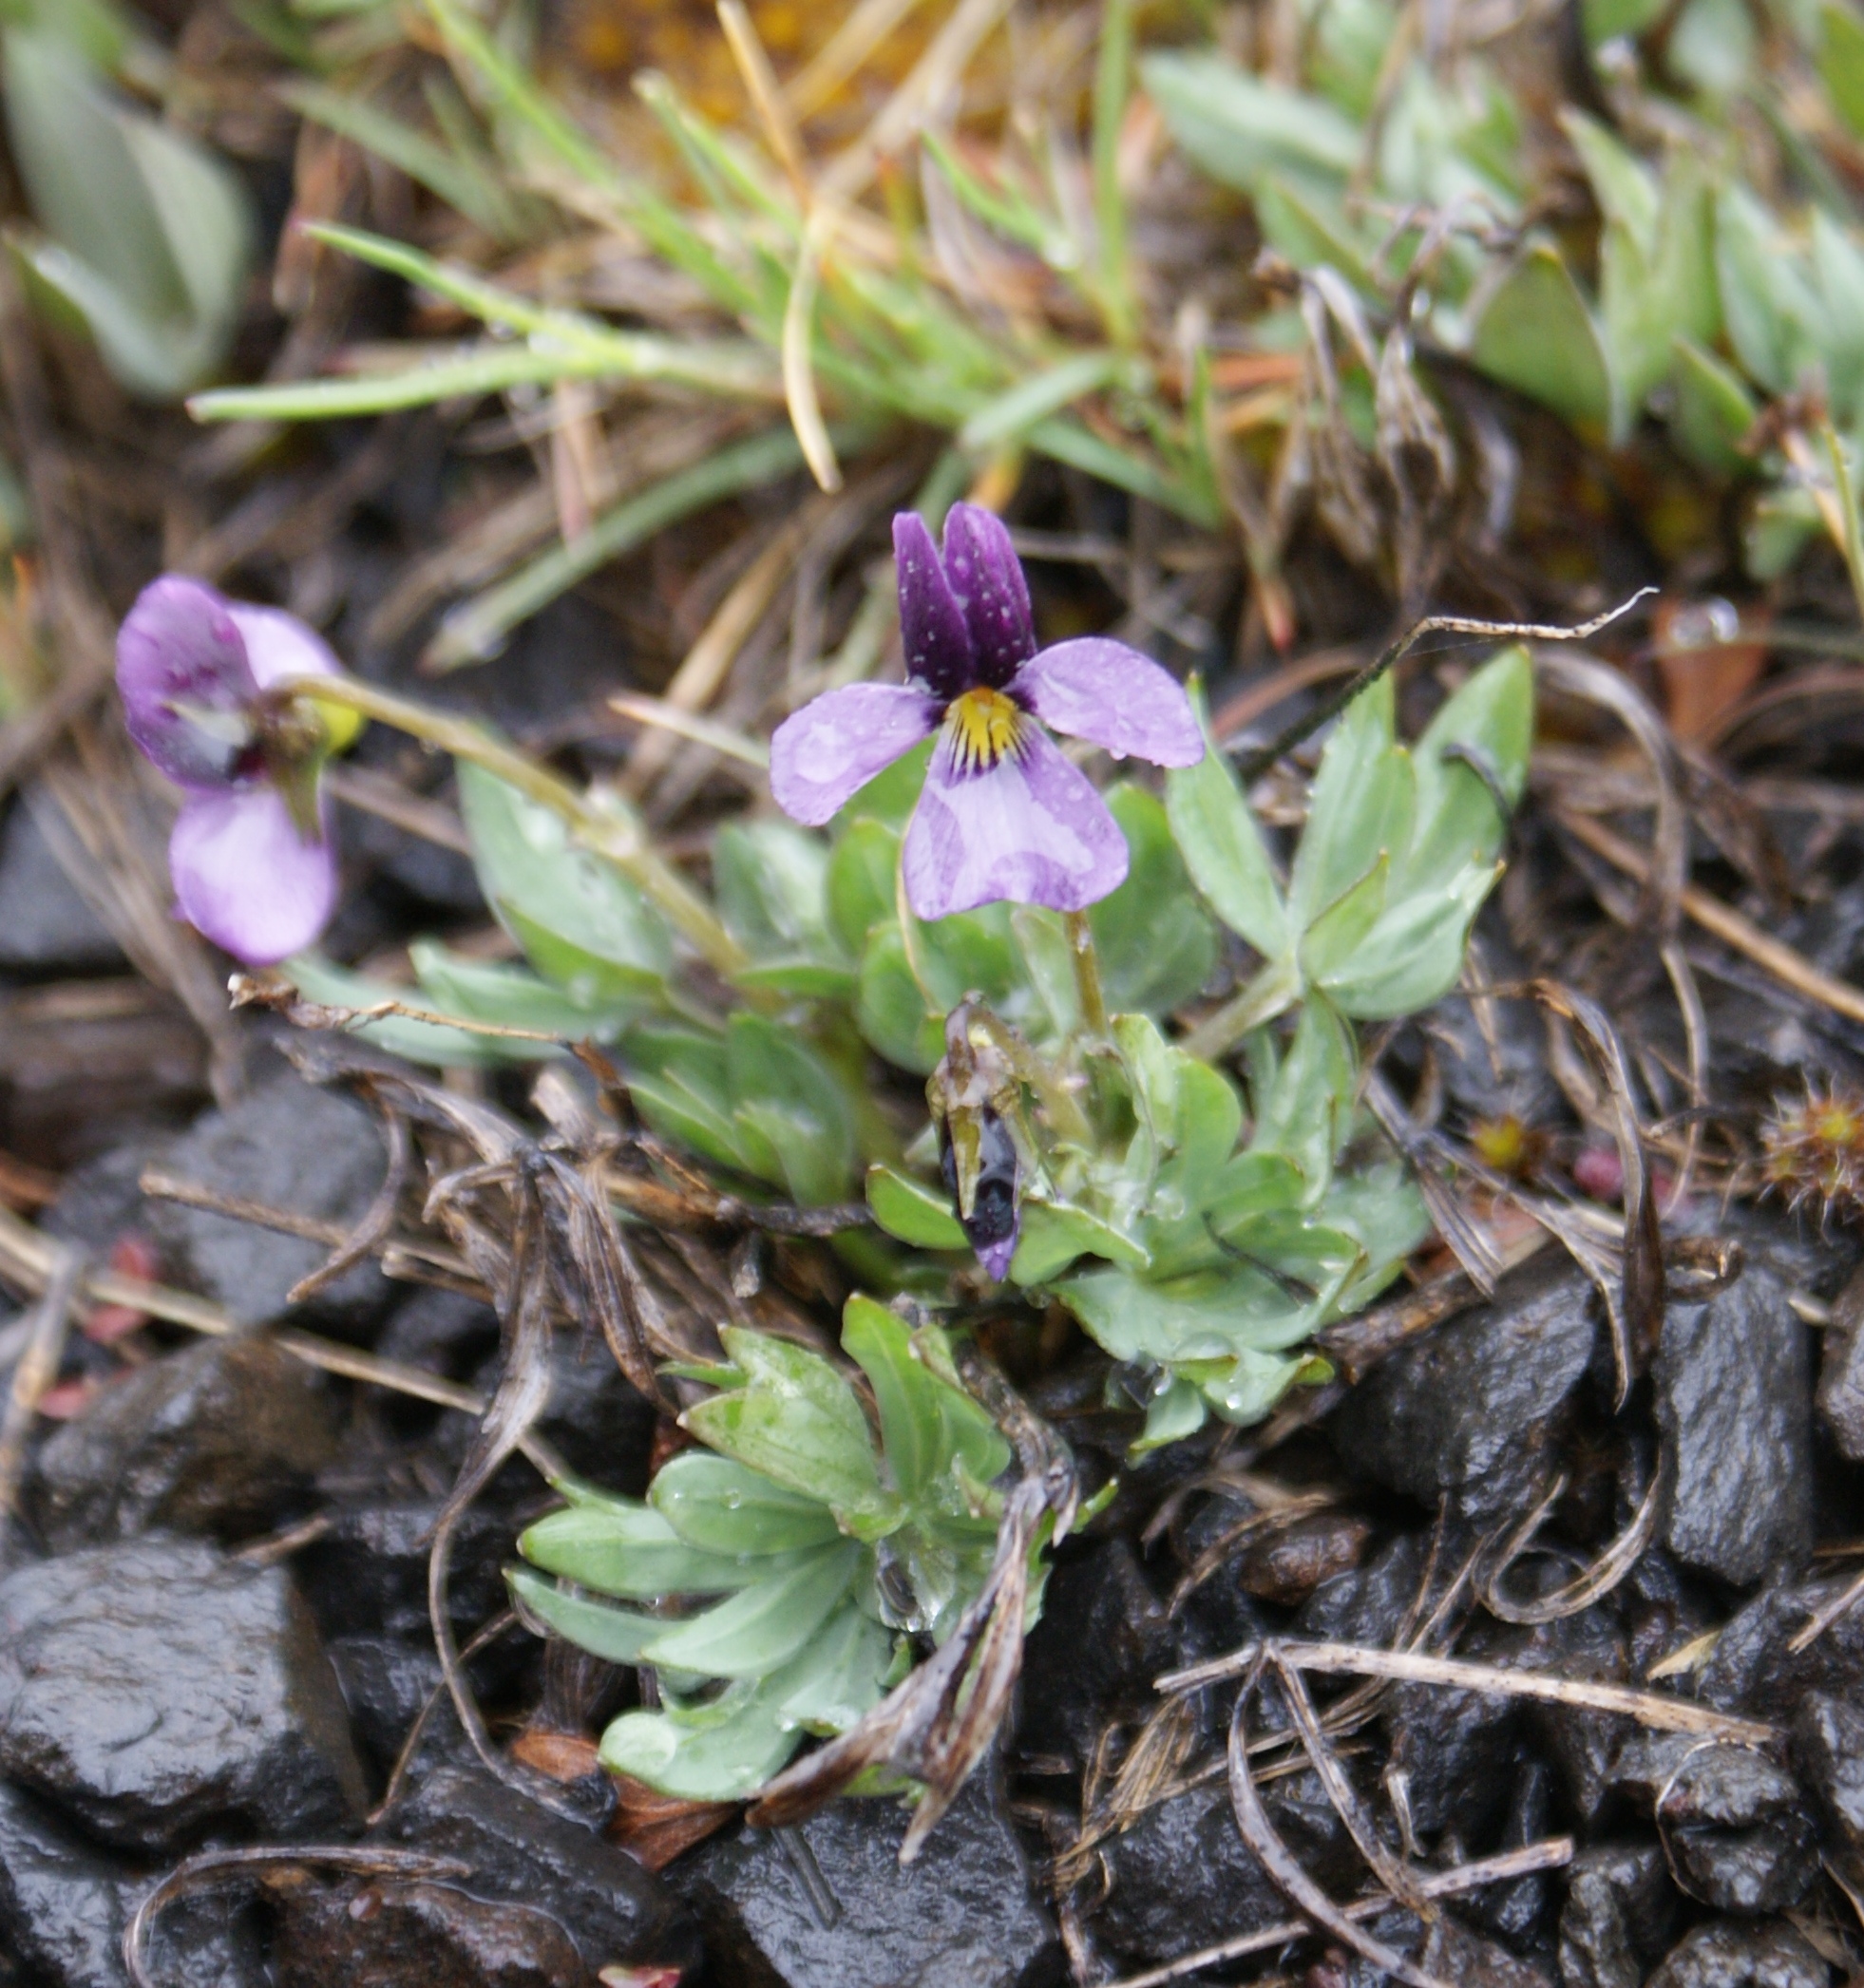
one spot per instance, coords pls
(479, 629)
(462, 183)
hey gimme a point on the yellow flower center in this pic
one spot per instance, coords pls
(985, 726)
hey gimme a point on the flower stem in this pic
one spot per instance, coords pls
(1087, 976)
(611, 832)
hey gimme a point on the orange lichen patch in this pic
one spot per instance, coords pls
(682, 39)
(985, 726)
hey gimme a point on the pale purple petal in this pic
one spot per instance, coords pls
(1100, 689)
(1029, 829)
(995, 1256)
(938, 644)
(986, 575)
(279, 645)
(179, 650)
(829, 748)
(246, 878)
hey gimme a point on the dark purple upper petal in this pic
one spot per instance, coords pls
(1029, 828)
(1100, 689)
(986, 575)
(245, 877)
(937, 643)
(180, 652)
(822, 754)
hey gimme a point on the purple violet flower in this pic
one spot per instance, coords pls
(1003, 814)
(253, 872)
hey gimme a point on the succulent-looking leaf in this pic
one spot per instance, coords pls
(1223, 847)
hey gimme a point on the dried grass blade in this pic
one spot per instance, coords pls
(1654, 1709)
(1282, 1864)
(377, 1219)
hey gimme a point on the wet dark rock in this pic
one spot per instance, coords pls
(422, 1935)
(220, 1438)
(1841, 1372)
(47, 930)
(1734, 1401)
(1102, 1640)
(155, 1689)
(1644, 1764)
(368, 1574)
(1726, 1954)
(1368, 1605)
(1453, 1953)
(1456, 1749)
(290, 1146)
(1183, 1879)
(1219, 1613)
(961, 1916)
(385, 1682)
(1739, 1835)
(1828, 1750)
(595, 1418)
(65, 1903)
(1514, 1910)
(99, 1201)
(60, 1899)
(443, 1331)
(1753, 1667)
(1286, 1568)
(1618, 1916)
(1469, 1413)
(612, 1912)
(1494, 1068)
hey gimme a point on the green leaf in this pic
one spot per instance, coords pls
(616, 1635)
(1238, 128)
(771, 882)
(1305, 1115)
(1490, 720)
(725, 1759)
(1414, 954)
(1841, 61)
(319, 979)
(1534, 332)
(913, 1212)
(507, 996)
(852, 1654)
(1209, 1118)
(1223, 849)
(1175, 1411)
(1361, 807)
(1207, 1315)
(890, 1008)
(905, 1395)
(799, 1422)
(580, 922)
(1337, 933)
(1776, 321)
(785, 1092)
(1255, 1382)
(632, 1552)
(764, 1626)
(721, 1507)
(149, 235)
(1156, 945)
(1713, 412)
(1054, 1234)
(861, 874)
(679, 1082)
(1839, 266)
(1623, 186)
